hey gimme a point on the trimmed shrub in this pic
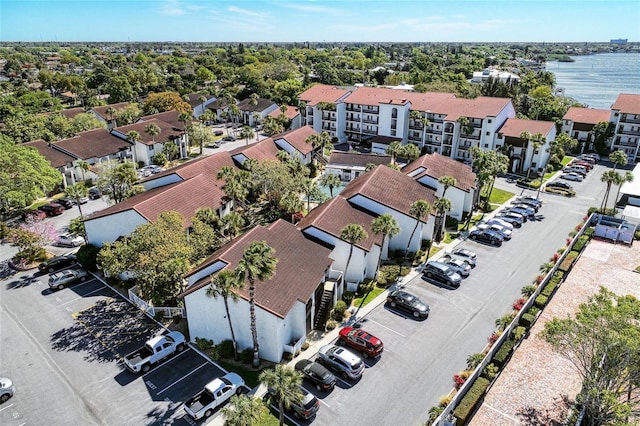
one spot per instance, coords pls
(518, 333)
(470, 401)
(305, 346)
(500, 358)
(589, 231)
(526, 320)
(337, 313)
(490, 372)
(348, 297)
(203, 344)
(533, 311)
(225, 349)
(541, 301)
(87, 255)
(331, 324)
(548, 289)
(568, 261)
(582, 241)
(451, 222)
(528, 290)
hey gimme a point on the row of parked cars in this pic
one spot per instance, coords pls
(578, 168)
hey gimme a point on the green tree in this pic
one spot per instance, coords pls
(387, 226)
(628, 177)
(85, 121)
(258, 263)
(420, 210)
(200, 135)
(394, 149)
(76, 192)
(157, 254)
(291, 204)
(410, 152)
(319, 142)
(152, 129)
(447, 182)
(226, 284)
(618, 157)
(331, 181)
(231, 224)
(118, 181)
(165, 101)
(170, 150)
(609, 178)
(353, 234)
(25, 175)
(246, 133)
(243, 410)
(603, 344)
(442, 206)
(310, 189)
(76, 227)
(283, 383)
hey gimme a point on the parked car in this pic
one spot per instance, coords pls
(514, 219)
(558, 184)
(305, 408)
(576, 169)
(487, 236)
(69, 276)
(218, 132)
(152, 169)
(66, 202)
(52, 209)
(500, 222)
(228, 139)
(68, 240)
(368, 344)
(561, 191)
(514, 211)
(442, 274)
(587, 165)
(214, 394)
(572, 176)
(341, 360)
(463, 254)
(524, 209)
(317, 374)
(153, 351)
(57, 263)
(506, 233)
(34, 215)
(408, 302)
(7, 389)
(530, 200)
(458, 265)
(94, 193)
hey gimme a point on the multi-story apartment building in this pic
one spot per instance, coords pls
(625, 116)
(438, 122)
(578, 123)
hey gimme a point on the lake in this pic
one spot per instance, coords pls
(597, 80)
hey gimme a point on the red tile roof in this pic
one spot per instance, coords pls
(94, 143)
(102, 110)
(55, 157)
(335, 214)
(322, 93)
(300, 269)
(357, 159)
(171, 117)
(208, 165)
(627, 103)
(291, 112)
(437, 165)
(298, 138)
(69, 113)
(479, 107)
(266, 149)
(390, 188)
(378, 95)
(513, 127)
(167, 131)
(184, 197)
(587, 115)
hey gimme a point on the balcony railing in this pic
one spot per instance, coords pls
(629, 132)
(630, 119)
(353, 108)
(370, 120)
(370, 131)
(448, 128)
(370, 110)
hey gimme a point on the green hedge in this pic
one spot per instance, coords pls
(589, 231)
(548, 289)
(582, 241)
(472, 398)
(500, 358)
(526, 320)
(568, 261)
(541, 301)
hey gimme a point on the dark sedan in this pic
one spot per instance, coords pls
(317, 374)
(487, 236)
(408, 302)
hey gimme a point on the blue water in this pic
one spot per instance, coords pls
(327, 193)
(596, 80)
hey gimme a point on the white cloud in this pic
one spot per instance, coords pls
(313, 8)
(172, 8)
(245, 12)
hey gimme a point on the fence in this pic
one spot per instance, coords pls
(167, 312)
(446, 417)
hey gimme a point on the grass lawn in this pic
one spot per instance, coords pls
(566, 160)
(499, 196)
(368, 297)
(249, 376)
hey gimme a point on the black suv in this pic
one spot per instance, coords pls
(57, 263)
(305, 408)
(316, 373)
(443, 274)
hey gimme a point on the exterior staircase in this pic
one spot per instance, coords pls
(326, 302)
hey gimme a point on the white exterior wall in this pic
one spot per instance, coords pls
(385, 119)
(292, 151)
(109, 228)
(341, 121)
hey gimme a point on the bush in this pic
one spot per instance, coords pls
(548, 289)
(533, 311)
(331, 324)
(518, 333)
(568, 261)
(305, 346)
(490, 372)
(337, 313)
(468, 404)
(474, 360)
(246, 356)
(348, 297)
(582, 241)
(528, 290)
(451, 222)
(87, 255)
(225, 349)
(526, 320)
(203, 344)
(589, 231)
(500, 358)
(541, 301)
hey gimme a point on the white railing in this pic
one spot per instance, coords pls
(295, 347)
(167, 312)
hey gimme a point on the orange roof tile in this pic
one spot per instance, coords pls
(322, 93)
(437, 165)
(291, 112)
(587, 115)
(513, 127)
(627, 103)
(298, 138)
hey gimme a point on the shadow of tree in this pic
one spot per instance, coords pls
(159, 417)
(555, 416)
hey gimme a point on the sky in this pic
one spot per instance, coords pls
(318, 21)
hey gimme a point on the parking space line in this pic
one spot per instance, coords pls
(8, 406)
(183, 377)
(322, 402)
(384, 326)
(81, 297)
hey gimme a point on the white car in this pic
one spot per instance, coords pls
(506, 233)
(68, 240)
(572, 176)
(462, 254)
(6, 389)
(458, 265)
(498, 221)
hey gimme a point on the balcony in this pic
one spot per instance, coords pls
(353, 108)
(370, 120)
(370, 131)
(448, 128)
(629, 132)
(414, 138)
(448, 140)
(355, 118)
(370, 110)
(328, 127)
(626, 118)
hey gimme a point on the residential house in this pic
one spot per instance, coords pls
(625, 116)
(292, 113)
(259, 151)
(149, 145)
(58, 160)
(106, 113)
(220, 110)
(69, 113)
(286, 304)
(199, 105)
(252, 115)
(349, 165)
(496, 75)
(294, 142)
(428, 169)
(523, 155)
(579, 122)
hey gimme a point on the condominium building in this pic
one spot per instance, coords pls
(625, 116)
(579, 122)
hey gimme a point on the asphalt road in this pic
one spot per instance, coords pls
(421, 357)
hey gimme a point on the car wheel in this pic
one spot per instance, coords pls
(345, 375)
(180, 347)
(429, 275)
(339, 342)
(208, 413)
(83, 278)
(60, 286)
(4, 397)
(51, 269)
(450, 284)
(393, 304)
(238, 390)
(416, 314)
(146, 368)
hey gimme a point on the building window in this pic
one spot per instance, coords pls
(486, 145)
(488, 133)
(489, 120)
(150, 147)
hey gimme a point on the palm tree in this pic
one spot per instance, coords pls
(152, 129)
(226, 172)
(330, 181)
(76, 192)
(393, 150)
(527, 137)
(353, 234)
(442, 207)
(387, 226)
(419, 209)
(447, 182)
(231, 224)
(226, 284)
(234, 111)
(111, 110)
(84, 166)
(283, 383)
(609, 177)
(320, 142)
(242, 410)
(410, 152)
(246, 133)
(628, 177)
(202, 99)
(283, 156)
(465, 127)
(292, 204)
(618, 157)
(369, 166)
(310, 188)
(258, 263)
(537, 141)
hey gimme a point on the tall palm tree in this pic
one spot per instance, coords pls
(410, 152)
(628, 177)
(152, 129)
(76, 192)
(84, 166)
(353, 234)
(537, 140)
(310, 188)
(619, 158)
(394, 149)
(234, 112)
(420, 209)
(283, 156)
(387, 226)
(526, 136)
(225, 173)
(202, 99)
(225, 284)
(111, 110)
(231, 224)
(320, 142)
(447, 182)
(246, 133)
(331, 181)
(442, 207)
(242, 410)
(258, 263)
(283, 383)
(609, 177)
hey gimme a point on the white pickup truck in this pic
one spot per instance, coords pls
(154, 350)
(214, 394)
